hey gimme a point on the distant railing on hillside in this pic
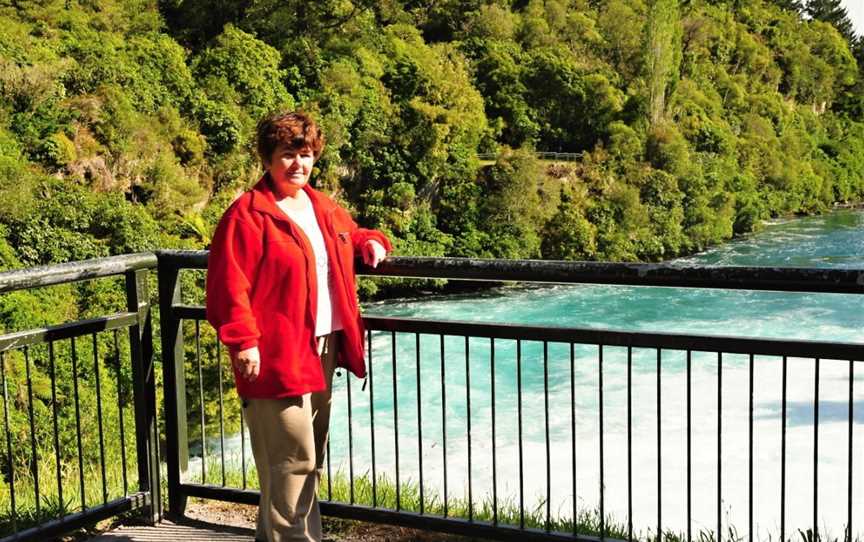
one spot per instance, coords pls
(540, 155)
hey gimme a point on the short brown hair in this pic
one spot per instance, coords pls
(294, 129)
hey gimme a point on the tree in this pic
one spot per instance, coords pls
(241, 68)
(789, 5)
(242, 80)
(571, 105)
(662, 53)
(511, 207)
(851, 101)
(621, 44)
(498, 75)
(832, 12)
(196, 22)
(568, 235)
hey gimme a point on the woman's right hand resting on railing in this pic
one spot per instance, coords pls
(247, 362)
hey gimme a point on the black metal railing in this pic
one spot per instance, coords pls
(485, 429)
(540, 155)
(444, 393)
(81, 446)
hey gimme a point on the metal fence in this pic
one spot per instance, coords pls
(485, 429)
(64, 466)
(541, 155)
(440, 414)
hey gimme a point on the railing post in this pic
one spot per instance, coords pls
(171, 331)
(144, 390)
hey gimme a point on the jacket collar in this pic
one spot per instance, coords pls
(264, 200)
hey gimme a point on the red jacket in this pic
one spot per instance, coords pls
(262, 291)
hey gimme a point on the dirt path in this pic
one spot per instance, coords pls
(336, 530)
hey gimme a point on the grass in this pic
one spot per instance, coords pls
(508, 512)
(337, 489)
(482, 510)
(27, 514)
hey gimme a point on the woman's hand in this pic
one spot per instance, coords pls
(247, 362)
(373, 253)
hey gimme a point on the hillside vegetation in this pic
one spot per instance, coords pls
(127, 124)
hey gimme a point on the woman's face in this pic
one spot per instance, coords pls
(290, 168)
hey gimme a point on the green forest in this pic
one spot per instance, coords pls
(127, 125)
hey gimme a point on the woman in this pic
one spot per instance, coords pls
(281, 295)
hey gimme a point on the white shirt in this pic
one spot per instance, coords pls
(326, 320)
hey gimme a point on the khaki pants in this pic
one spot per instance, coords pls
(289, 438)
